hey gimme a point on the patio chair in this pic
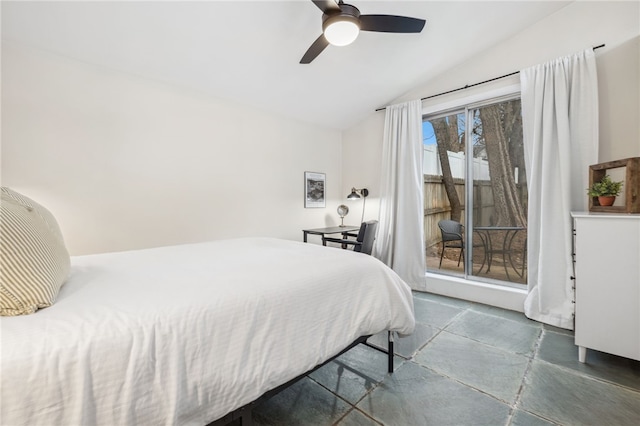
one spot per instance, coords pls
(451, 238)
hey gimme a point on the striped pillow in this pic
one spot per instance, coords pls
(34, 262)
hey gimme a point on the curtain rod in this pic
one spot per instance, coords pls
(474, 84)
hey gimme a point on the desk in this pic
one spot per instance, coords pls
(327, 231)
(506, 250)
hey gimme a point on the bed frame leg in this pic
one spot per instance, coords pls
(246, 420)
(390, 351)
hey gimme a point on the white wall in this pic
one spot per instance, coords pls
(127, 163)
(619, 95)
(578, 26)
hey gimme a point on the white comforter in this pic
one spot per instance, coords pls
(185, 334)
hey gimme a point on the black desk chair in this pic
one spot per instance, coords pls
(364, 238)
(451, 238)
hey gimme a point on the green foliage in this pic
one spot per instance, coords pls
(606, 187)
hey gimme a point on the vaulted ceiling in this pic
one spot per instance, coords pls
(249, 51)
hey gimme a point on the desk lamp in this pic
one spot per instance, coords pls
(355, 194)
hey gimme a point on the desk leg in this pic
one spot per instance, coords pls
(304, 236)
(344, 237)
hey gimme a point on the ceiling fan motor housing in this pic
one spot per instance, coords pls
(347, 13)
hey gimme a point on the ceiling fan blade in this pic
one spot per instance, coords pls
(327, 6)
(391, 24)
(316, 48)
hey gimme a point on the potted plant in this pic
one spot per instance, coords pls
(606, 190)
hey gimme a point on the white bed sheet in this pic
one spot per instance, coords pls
(185, 334)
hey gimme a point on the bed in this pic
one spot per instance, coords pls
(187, 334)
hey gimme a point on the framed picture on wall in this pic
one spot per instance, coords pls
(314, 189)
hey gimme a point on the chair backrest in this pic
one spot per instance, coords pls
(366, 236)
(451, 230)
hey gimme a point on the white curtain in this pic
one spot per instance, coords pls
(400, 241)
(560, 123)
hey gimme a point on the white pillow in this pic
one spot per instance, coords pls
(34, 262)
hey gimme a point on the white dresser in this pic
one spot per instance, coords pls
(607, 272)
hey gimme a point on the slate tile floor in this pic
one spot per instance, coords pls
(466, 364)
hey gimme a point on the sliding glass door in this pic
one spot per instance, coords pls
(475, 192)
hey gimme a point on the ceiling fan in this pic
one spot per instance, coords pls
(341, 24)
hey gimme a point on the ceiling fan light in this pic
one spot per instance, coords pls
(341, 32)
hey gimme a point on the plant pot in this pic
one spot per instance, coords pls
(606, 200)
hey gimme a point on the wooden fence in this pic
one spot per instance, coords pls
(437, 207)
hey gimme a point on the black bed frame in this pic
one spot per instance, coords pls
(242, 416)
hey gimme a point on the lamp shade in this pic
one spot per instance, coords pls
(356, 193)
(341, 31)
